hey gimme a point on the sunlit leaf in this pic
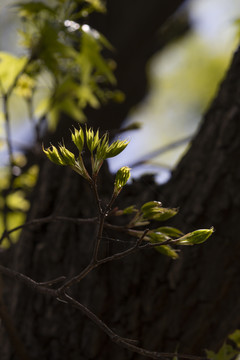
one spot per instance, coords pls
(97, 4)
(163, 249)
(16, 201)
(169, 231)
(226, 352)
(10, 67)
(235, 337)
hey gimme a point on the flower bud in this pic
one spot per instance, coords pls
(67, 156)
(53, 155)
(78, 139)
(121, 179)
(116, 148)
(196, 237)
(92, 139)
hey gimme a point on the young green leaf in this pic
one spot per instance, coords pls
(196, 237)
(169, 231)
(226, 352)
(53, 155)
(129, 210)
(159, 213)
(116, 148)
(78, 139)
(121, 179)
(67, 156)
(92, 139)
(235, 337)
(150, 205)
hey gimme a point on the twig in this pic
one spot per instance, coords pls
(27, 281)
(98, 238)
(94, 264)
(93, 184)
(45, 220)
(62, 296)
(121, 341)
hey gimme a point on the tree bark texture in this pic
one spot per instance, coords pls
(188, 304)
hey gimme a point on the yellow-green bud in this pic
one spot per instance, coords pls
(196, 237)
(153, 210)
(116, 148)
(121, 179)
(151, 204)
(92, 139)
(67, 156)
(53, 155)
(78, 139)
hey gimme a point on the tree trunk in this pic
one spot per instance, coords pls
(188, 304)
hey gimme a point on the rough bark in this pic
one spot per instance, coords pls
(191, 302)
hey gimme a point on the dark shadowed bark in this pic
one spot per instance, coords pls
(190, 303)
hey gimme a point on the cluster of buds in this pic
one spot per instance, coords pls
(163, 236)
(100, 150)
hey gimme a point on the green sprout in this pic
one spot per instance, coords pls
(99, 148)
(92, 139)
(67, 156)
(196, 237)
(78, 139)
(164, 236)
(121, 179)
(53, 155)
(153, 210)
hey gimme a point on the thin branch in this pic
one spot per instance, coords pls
(126, 343)
(94, 264)
(99, 237)
(124, 253)
(76, 279)
(48, 219)
(95, 191)
(53, 281)
(62, 296)
(27, 281)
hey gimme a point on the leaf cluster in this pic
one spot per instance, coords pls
(99, 148)
(153, 211)
(63, 54)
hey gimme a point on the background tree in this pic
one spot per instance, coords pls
(189, 304)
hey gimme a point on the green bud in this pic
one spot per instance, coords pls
(53, 155)
(169, 231)
(121, 179)
(151, 204)
(158, 237)
(153, 211)
(102, 147)
(67, 156)
(78, 139)
(163, 214)
(116, 148)
(129, 210)
(167, 250)
(196, 237)
(92, 139)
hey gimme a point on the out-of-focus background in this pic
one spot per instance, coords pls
(183, 79)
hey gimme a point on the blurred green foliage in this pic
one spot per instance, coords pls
(61, 72)
(227, 351)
